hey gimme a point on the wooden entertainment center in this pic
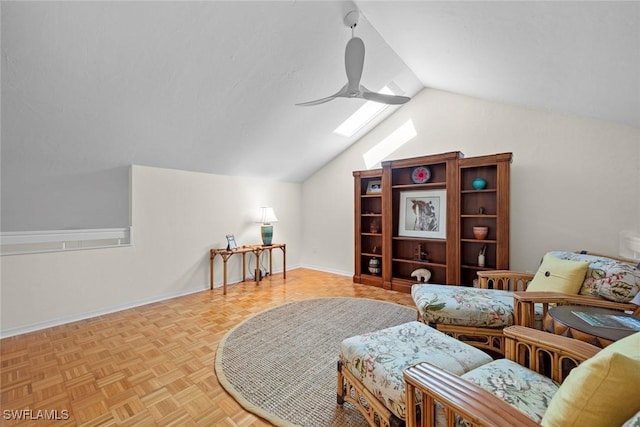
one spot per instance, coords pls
(420, 213)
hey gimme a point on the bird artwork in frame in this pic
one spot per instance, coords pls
(423, 214)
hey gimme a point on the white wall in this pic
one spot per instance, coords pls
(177, 217)
(574, 181)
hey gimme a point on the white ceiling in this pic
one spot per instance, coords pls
(211, 86)
(573, 57)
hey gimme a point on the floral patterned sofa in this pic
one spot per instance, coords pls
(478, 315)
(370, 367)
(530, 387)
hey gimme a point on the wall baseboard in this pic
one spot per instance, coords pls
(113, 309)
(89, 314)
(329, 270)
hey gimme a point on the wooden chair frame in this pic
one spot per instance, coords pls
(490, 339)
(525, 302)
(350, 389)
(539, 351)
(524, 305)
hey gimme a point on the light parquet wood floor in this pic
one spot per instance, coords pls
(151, 365)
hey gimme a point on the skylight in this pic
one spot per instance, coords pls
(362, 116)
(391, 143)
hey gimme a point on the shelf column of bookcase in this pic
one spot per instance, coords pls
(367, 209)
(488, 207)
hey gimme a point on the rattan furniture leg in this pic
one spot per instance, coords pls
(351, 390)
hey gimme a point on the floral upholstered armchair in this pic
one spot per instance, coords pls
(608, 283)
(530, 387)
(503, 298)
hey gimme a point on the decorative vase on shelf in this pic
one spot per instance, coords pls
(480, 233)
(479, 183)
(374, 266)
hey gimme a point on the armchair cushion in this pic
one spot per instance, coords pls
(601, 391)
(633, 421)
(606, 277)
(559, 275)
(523, 388)
(378, 358)
(462, 306)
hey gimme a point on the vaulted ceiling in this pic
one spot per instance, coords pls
(211, 86)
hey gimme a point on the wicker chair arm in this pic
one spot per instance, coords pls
(571, 299)
(478, 406)
(458, 397)
(553, 345)
(504, 279)
(524, 304)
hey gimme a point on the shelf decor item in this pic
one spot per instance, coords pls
(374, 266)
(374, 187)
(423, 214)
(421, 274)
(479, 184)
(421, 254)
(481, 258)
(231, 242)
(480, 233)
(420, 175)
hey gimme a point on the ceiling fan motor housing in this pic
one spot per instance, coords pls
(351, 19)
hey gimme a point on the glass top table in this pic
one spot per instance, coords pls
(588, 325)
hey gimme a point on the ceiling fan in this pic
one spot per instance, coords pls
(354, 61)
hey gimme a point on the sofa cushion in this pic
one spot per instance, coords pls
(606, 277)
(520, 387)
(378, 358)
(558, 275)
(601, 391)
(634, 421)
(459, 305)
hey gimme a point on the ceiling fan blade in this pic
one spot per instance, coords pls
(341, 92)
(354, 62)
(317, 101)
(385, 99)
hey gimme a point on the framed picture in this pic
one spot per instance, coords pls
(231, 242)
(374, 187)
(423, 214)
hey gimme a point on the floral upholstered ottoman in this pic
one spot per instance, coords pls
(474, 315)
(459, 305)
(371, 365)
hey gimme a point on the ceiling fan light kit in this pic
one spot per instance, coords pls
(354, 62)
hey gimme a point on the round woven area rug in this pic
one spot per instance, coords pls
(281, 364)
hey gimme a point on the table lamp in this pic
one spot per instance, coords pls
(266, 216)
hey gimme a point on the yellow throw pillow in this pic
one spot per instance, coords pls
(602, 391)
(559, 275)
(629, 346)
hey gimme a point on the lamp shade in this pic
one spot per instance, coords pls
(266, 215)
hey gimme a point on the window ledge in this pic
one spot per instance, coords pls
(29, 242)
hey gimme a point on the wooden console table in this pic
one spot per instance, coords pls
(257, 250)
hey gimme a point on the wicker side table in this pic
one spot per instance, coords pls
(561, 320)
